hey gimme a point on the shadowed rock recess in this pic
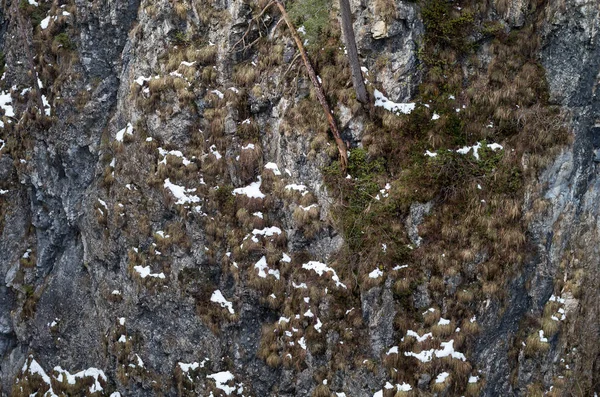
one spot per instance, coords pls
(174, 221)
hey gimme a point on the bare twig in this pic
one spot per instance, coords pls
(255, 19)
(291, 65)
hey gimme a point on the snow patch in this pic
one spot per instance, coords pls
(263, 269)
(382, 101)
(441, 378)
(273, 167)
(145, 271)
(180, 193)
(376, 273)
(321, 268)
(252, 190)
(121, 134)
(217, 297)
(221, 379)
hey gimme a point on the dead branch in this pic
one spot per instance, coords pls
(318, 88)
(256, 20)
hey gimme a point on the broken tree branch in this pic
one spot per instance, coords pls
(318, 88)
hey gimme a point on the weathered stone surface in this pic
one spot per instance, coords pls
(55, 193)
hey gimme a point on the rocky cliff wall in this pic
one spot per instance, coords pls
(173, 221)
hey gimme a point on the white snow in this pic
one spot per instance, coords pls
(261, 265)
(441, 378)
(443, 321)
(36, 369)
(435, 116)
(5, 100)
(187, 367)
(403, 387)
(319, 324)
(430, 154)
(293, 186)
(273, 167)
(382, 101)
(121, 134)
(473, 379)
(146, 272)
(267, 231)
(103, 203)
(393, 350)
(218, 93)
(214, 151)
(321, 268)
(542, 338)
(418, 337)
(430, 310)
(476, 147)
(252, 190)
(33, 2)
(447, 349)
(175, 153)
(556, 299)
(258, 214)
(140, 80)
(180, 193)
(302, 343)
(217, 297)
(90, 372)
(221, 379)
(47, 107)
(188, 64)
(467, 149)
(249, 146)
(376, 273)
(44, 23)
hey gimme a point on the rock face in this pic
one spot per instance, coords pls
(167, 229)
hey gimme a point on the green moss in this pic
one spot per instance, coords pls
(445, 26)
(63, 41)
(357, 193)
(181, 38)
(34, 13)
(313, 15)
